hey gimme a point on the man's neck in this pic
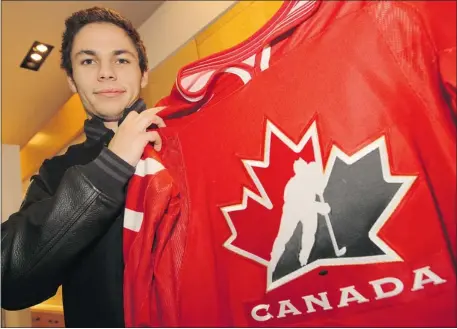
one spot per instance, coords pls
(111, 125)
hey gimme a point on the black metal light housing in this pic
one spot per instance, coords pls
(36, 56)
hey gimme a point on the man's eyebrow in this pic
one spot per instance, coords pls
(93, 53)
(123, 51)
(85, 52)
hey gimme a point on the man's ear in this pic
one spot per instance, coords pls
(71, 84)
(144, 79)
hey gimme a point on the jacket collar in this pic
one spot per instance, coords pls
(95, 130)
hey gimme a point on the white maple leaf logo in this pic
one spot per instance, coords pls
(255, 221)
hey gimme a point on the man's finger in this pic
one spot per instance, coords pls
(156, 109)
(154, 137)
(158, 121)
(148, 117)
(153, 110)
(130, 116)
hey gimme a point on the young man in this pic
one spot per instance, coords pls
(68, 230)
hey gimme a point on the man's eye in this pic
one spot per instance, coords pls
(87, 62)
(123, 61)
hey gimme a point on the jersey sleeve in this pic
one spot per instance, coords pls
(440, 20)
(152, 210)
(439, 17)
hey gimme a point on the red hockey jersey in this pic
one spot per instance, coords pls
(307, 177)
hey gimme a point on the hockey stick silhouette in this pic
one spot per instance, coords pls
(338, 252)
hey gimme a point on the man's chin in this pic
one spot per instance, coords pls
(109, 109)
(109, 115)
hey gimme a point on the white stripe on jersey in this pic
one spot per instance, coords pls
(133, 220)
(148, 167)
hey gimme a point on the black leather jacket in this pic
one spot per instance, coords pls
(68, 232)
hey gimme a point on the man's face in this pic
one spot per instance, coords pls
(106, 71)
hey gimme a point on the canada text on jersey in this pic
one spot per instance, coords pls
(387, 287)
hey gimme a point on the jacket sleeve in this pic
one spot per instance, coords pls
(49, 232)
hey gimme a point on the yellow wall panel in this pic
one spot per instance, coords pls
(65, 126)
(235, 26)
(163, 76)
(225, 18)
(53, 304)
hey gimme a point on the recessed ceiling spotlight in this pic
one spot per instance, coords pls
(42, 48)
(36, 56)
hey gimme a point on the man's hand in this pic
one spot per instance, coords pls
(131, 137)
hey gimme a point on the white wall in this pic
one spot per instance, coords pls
(11, 201)
(176, 22)
(11, 180)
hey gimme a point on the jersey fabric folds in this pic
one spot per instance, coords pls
(307, 177)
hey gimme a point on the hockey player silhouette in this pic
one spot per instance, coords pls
(300, 205)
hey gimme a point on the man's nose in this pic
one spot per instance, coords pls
(106, 72)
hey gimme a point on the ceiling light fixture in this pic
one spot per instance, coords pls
(36, 56)
(42, 48)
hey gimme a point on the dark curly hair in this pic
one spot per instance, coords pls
(81, 18)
